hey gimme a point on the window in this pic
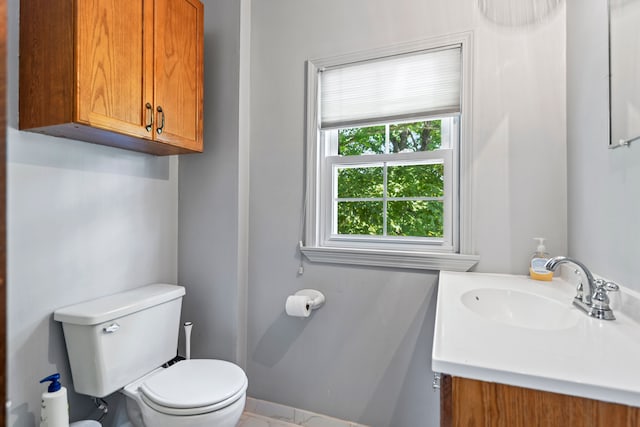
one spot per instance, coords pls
(385, 134)
(388, 184)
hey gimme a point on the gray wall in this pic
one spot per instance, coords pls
(365, 356)
(83, 221)
(87, 220)
(604, 184)
(213, 196)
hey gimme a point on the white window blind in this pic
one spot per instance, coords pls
(398, 88)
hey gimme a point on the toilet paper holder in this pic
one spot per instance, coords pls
(317, 297)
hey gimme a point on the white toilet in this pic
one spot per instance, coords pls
(120, 342)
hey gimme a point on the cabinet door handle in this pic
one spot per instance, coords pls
(159, 130)
(149, 125)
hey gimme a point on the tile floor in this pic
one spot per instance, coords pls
(260, 413)
(254, 420)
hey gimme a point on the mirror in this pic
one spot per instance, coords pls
(624, 72)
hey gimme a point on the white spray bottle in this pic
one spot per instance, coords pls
(54, 411)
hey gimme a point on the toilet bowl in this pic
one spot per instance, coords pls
(119, 343)
(191, 393)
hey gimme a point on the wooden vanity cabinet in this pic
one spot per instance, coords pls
(471, 403)
(121, 73)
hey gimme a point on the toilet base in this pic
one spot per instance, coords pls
(142, 415)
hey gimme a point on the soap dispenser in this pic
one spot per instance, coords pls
(537, 269)
(54, 411)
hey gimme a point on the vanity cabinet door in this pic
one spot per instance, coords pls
(469, 403)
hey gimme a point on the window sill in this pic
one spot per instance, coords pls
(388, 258)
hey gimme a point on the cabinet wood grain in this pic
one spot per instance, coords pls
(125, 74)
(110, 64)
(471, 403)
(179, 71)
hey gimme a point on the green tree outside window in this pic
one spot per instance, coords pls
(406, 184)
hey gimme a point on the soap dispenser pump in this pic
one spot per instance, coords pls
(537, 269)
(54, 411)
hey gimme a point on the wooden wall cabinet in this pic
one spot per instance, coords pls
(471, 403)
(127, 74)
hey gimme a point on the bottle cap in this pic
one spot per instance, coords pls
(55, 382)
(541, 248)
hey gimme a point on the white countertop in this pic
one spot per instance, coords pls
(591, 358)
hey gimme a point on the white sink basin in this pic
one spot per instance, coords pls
(519, 309)
(509, 329)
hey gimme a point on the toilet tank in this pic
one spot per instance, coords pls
(116, 339)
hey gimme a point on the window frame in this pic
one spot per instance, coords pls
(327, 218)
(321, 246)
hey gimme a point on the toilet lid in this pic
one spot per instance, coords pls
(195, 386)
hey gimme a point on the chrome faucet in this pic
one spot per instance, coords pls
(593, 300)
(585, 297)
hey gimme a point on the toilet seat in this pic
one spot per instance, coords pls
(194, 387)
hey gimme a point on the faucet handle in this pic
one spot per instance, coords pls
(606, 285)
(600, 298)
(612, 286)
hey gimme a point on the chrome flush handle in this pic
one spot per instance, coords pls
(111, 328)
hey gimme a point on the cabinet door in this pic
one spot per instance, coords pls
(466, 403)
(114, 65)
(179, 72)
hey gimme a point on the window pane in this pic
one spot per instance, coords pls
(417, 136)
(357, 141)
(415, 218)
(416, 180)
(360, 218)
(360, 182)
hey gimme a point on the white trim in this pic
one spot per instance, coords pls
(244, 138)
(316, 249)
(437, 42)
(387, 258)
(312, 193)
(465, 152)
(442, 156)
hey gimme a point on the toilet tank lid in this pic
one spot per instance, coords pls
(114, 306)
